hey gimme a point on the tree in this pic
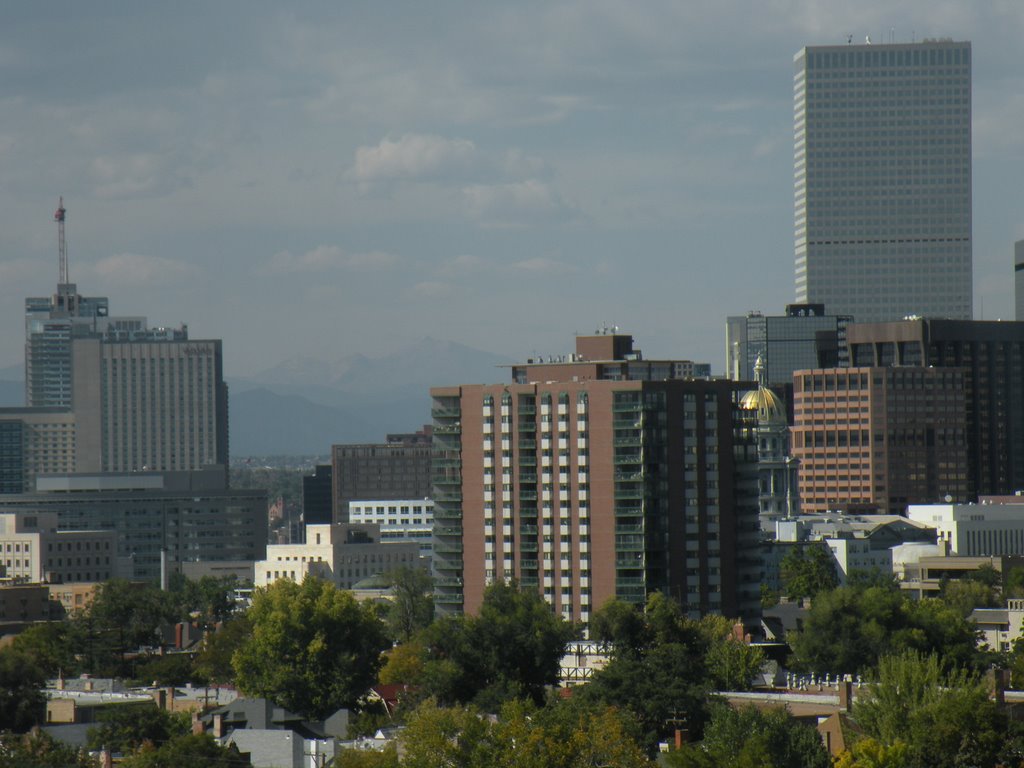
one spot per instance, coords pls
(732, 663)
(123, 617)
(52, 645)
(199, 749)
(807, 570)
(512, 649)
(945, 717)
(313, 648)
(964, 595)
(39, 750)
(868, 753)
(367, 758)
(752, 737)
(214, 660)
(848, 629)
(127, 727)
(412, 607)
(660, 675)
(22, 703)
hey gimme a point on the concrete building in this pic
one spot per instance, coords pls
(399, 470)
(398, 520)
(588, 488)
(1018, 280)
(882, 139)
(992, 527)
(317, 493)
(806, 336)
(342, 553)
(856, 542)
(991, 357)
(33, 549)
(999, 627)
(33, 442)
(877, 439)
(161, 519)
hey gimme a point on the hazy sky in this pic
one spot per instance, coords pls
(350, 177)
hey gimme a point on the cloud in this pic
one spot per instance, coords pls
(515, 203)
(433, 289)
(138, 270)
(328, 257)
(544, 266)
(414, 156)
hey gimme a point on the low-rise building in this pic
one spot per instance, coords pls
(399, 520)
(992, 527)
(34, 549)
(342, 553)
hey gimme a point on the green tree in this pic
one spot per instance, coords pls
(945, 717)
(808, 569)
(313, 647)
(213, 662)
(512, 649)
(623, 625)
(732, 663)
(752, 737)
(22, 703)
(53, 645)
(367, 758)
(167, 669)
(127, 727)
(39, 750)
(964, 595)
(122, 617)
(868, 753)
(412, 606)
(199, 749)
(848, 629)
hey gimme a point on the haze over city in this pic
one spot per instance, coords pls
(348, 178)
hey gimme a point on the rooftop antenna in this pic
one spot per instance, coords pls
(59, 217)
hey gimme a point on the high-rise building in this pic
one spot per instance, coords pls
(399, 470)
(804, 337)
(879, 438)
(1018, 279)
(883, 179)
(991, 355)
(588, 488)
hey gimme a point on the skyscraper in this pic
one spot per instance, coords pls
(585, 485)
(883, 179)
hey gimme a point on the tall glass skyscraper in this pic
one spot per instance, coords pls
(883, 179)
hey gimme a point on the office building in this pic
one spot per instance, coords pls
(317, 490)
(33, 549)
(883, 179)
(588, 489)
(399, 470)
(342, 553)
(142, 398)
(398, 520)
(991, 355)
(1018, 280)
(161, 519)
(35, 441)
(992, 527)
(804, 337)
(878, 439)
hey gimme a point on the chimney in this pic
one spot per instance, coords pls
(106, 761)
(845, 695)
(218, 725)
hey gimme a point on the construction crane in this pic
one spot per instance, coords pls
(59, 217)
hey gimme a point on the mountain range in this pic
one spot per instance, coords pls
(304, 405)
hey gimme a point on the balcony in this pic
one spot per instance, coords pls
(443, 412)
(442, 496)
(625, 441)
(527, 460)
(454, 598)
(447, 429)
(447, 530)
(629, 493)
(527, 444)
(627, 423)
(629, 528)
(628, 561)
(527, 546)
(447, 581)
(453, 512)
(627, 407)
(447, 547)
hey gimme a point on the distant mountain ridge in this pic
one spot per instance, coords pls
(366, 397)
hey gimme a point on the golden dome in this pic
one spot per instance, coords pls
(767, 404)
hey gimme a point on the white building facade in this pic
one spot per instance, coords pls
(994, 526)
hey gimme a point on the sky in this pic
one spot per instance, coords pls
(323, 179)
